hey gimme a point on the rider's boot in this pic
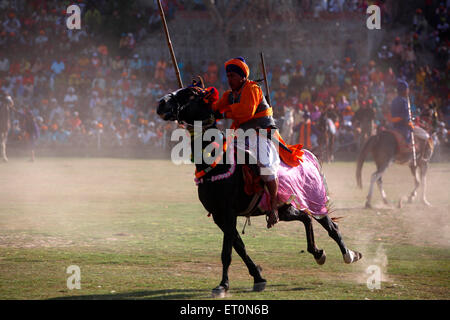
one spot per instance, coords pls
(272, 216)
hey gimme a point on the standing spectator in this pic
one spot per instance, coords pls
(211, 75)
(343, 103)
(4, 66)
(38, 66)
(41, 40)
(397, 50)
(409, 55)
(95, 61)
(58, 66)
(55, 110)
(160, 71)
(28, 82)
(353, 98)
(70, 99)
(350, 52)
(31, 131)
(135, 64)
(419, 22)
(12, 24)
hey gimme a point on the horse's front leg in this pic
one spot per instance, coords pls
(228, 225)
(254, 270)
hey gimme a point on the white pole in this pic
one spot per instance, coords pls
(412, 134)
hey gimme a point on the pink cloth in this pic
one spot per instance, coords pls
(305, 183)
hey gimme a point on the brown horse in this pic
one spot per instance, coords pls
(386, 147)
(6, 103)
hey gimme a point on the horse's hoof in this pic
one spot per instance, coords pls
(368, 205)
(426, 203)
(352, 256)
(320, 261)
(219, 292)
(260, 286)
(411, 198)
(400, 204)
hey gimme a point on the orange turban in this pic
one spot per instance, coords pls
(239, 66)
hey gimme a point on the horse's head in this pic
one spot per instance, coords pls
(188, 105)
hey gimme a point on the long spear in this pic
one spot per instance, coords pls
(265, 78)
(412, 135)
(174, 59)
(270, 104)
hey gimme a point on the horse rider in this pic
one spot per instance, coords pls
(331, 113)
(365, 116)
(400, 112)
(247, 106)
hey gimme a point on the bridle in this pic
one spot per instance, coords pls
(176, 110)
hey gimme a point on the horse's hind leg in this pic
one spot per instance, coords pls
(415, 173)
(380, 187)
(289, 213)
(375, 177)
(333, 231)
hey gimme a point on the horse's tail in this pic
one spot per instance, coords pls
(336, 219)
(362, 157)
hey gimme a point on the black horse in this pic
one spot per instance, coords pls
(226, 199)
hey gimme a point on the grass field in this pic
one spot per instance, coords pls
(136, 230)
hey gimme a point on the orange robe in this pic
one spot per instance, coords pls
(250, 98)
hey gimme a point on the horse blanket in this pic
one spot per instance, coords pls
(303, 186)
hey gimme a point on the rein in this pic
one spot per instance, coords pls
(202, 173)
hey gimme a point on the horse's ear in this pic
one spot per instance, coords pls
(202, 83)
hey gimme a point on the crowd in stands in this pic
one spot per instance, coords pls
(91, 88)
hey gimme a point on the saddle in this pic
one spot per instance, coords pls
(253, 183)
(403, 147)
(404, 150)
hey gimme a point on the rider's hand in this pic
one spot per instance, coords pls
(411, 124)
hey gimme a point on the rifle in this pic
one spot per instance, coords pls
(169, 43)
